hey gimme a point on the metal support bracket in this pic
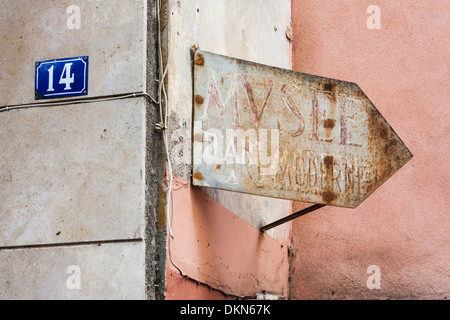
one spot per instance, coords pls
(292, 217)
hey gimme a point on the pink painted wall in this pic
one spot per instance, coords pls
(404, 226)
(222, 255)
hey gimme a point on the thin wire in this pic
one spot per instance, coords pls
(77, 101)
(164, 122)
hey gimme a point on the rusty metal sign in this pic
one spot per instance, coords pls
(278, 133)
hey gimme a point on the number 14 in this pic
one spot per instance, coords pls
(66, 77)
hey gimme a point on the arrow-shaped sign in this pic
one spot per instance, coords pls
(278, 133)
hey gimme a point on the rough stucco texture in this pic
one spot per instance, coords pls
(215, 247)
(403, 227)
(217, 241)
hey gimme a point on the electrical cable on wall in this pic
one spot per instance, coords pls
(163, 125)
(77, 101)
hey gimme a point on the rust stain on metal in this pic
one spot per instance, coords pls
(284, 134)
(328, 161)
(329, 123)
(198, 59)
(329, 196)
(328, 86)
(198, 176)
(198, 99)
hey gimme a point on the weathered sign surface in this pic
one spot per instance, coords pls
(284, 134)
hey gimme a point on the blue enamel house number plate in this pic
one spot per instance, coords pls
(61, 78)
